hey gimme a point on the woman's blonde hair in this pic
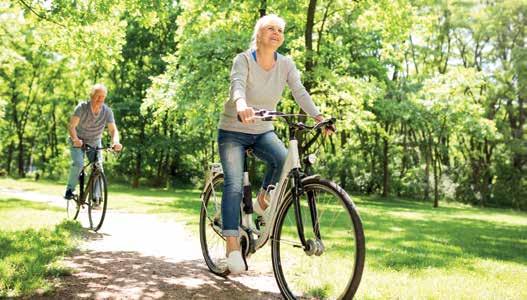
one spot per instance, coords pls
(261, 23)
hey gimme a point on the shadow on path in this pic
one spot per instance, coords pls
(130, 275)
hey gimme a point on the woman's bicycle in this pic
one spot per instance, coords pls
(316, 234)
(95, 196)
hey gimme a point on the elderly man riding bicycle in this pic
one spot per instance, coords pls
(86, 127)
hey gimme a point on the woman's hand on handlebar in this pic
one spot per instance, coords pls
(245, 113)
(328, 129)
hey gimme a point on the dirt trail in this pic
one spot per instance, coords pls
(137, 256)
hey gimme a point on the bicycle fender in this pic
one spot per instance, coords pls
(311, 177)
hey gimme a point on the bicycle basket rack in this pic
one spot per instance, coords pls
(216, 168)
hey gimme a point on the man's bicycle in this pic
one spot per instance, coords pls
(316, 234)
(94, 196)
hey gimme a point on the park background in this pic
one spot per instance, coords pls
(429, 97)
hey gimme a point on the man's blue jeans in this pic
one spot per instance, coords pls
(232, 145)
(77, 162)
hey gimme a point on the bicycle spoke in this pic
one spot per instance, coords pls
(289, 242)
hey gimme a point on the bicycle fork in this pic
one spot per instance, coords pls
(311, 247)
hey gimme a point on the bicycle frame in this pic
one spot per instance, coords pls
(290, 169)
(96, 167)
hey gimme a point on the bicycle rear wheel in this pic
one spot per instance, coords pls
(97, 199)
(213, 243)
(337, 272)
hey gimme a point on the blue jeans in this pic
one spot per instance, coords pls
(232, 145)
(77, 162)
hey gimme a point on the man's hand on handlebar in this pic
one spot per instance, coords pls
(117, 147)
(77, 143)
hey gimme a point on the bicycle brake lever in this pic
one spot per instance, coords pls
(261, 112)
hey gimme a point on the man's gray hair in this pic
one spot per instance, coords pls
(98, 87)
(261, 23)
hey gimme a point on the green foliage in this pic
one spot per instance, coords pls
(429, 94)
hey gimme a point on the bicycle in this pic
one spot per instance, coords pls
(318, 256)
(95, 195)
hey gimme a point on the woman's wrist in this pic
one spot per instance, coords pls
(241, 105)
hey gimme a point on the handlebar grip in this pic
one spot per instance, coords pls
(257, 112)
(330, 123)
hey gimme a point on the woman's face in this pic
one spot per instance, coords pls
(271, 35)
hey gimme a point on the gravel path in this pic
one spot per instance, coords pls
(139, 256)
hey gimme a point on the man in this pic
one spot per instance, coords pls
(86, 127)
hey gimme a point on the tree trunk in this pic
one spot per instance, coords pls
(137, 174)
(385, 169)
(519, 159)
(160, 168)
(427, 154)
(343, 171)
(139, 154)
(308, 64)
(10, 151)
(435, 161)
(373, 184)
(404, 160)
(53, 137)
(310, 23)
(21, 150)
(263, 8)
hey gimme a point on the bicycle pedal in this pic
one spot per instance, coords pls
(259, 222)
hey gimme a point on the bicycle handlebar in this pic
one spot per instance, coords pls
(271, 115)
(90, 148)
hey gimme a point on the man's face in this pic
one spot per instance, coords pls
(98, 97)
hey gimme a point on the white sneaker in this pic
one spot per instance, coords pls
(235, 262)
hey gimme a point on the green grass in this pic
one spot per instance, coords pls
(455, 251)
(33, 239)
(413, 250)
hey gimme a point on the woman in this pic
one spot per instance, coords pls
(258, 78)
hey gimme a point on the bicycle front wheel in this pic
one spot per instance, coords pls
(213, 243)
(72, 208)
(97, 199)
(336, 272)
